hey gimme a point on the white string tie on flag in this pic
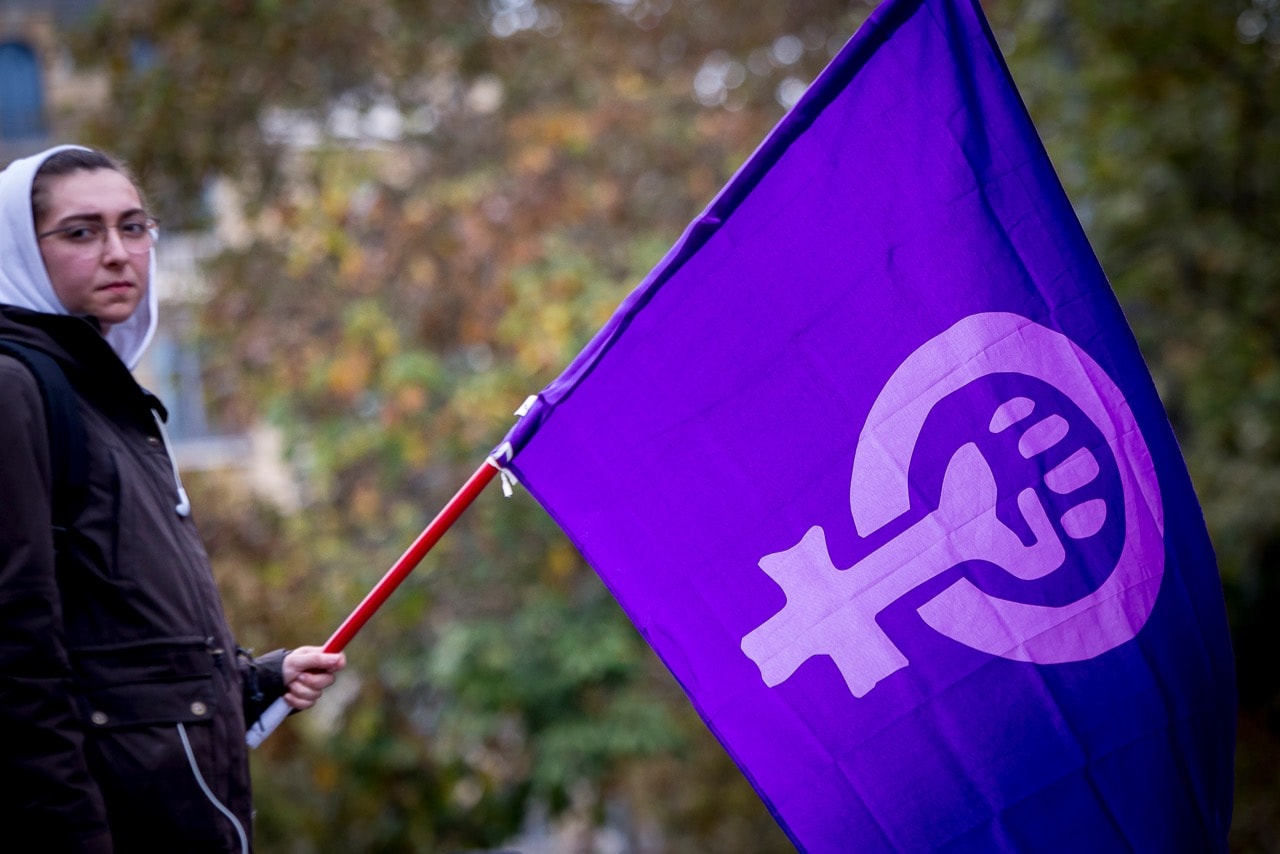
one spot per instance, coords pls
(526, 406)
(504, 453)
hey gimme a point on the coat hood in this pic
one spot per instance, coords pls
(24, 282)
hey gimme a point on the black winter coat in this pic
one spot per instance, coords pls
(116, 652)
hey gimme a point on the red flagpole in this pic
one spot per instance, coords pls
(412, 557)
(382, 591)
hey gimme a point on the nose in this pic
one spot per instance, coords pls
(113, 249)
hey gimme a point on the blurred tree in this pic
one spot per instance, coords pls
(438, 203)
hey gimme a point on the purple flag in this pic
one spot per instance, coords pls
(872, 460)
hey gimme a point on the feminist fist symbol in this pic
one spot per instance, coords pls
(833, 612)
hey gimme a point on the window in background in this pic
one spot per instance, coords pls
(21, 96)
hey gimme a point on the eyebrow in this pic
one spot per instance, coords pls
(97, 217)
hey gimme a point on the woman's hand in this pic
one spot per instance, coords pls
(308, 670)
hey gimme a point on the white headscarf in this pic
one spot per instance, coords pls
(24, 282)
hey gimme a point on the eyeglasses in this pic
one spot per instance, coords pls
(87, 239)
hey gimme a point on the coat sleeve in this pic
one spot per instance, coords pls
(263, 681)
(50, 794)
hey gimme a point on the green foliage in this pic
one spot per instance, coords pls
(442, 201)
(565, 676)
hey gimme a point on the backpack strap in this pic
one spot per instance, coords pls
(68, 441)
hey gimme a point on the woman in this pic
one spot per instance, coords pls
(123, 697)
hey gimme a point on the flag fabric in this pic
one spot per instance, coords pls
(873, 462)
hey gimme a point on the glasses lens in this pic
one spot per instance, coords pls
(137, 237)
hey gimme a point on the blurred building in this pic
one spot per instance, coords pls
(43, 101)
(42, 95)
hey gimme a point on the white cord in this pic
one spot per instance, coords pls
(195, 769)
(183, 506)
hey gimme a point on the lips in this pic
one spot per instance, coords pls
(116, 287)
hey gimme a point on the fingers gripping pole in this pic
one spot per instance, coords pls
(382, 591)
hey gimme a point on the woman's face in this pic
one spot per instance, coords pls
(99, 277)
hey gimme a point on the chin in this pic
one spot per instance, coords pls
(114, 316)
(118, 311)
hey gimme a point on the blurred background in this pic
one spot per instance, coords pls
(387, 222)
